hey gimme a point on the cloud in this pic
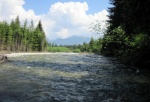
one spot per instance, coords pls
(9, 9)
(61, 21)
(63, 33)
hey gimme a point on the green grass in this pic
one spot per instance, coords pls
(58, 49)
(63, 49)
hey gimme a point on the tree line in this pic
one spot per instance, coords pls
(22, 38)
(94, 46)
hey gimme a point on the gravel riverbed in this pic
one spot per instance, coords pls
(71, 77)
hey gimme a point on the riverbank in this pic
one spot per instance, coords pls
(36, 53)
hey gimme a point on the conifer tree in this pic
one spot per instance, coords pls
(17, 37)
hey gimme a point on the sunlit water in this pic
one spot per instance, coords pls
(71, 78)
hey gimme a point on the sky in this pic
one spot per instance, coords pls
(60, 18)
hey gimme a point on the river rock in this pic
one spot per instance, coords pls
(3, 58)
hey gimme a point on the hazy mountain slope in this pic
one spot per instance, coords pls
(71, 40)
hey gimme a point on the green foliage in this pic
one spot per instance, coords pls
(55, 48)
(114, 41)
(94, 46)
(17, 37)
(127, 36)
(77, 50)
(140, 40)
(127, 49)
(85, 47)
(58, 49)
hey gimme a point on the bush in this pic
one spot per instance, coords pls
(114, 42)
(77, 50)
(58, 49)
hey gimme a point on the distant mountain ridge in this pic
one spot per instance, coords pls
(73, 40)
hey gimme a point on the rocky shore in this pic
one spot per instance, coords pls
(3, 58)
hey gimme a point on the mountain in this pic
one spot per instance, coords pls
(71, 40)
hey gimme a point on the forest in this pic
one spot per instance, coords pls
(15, 37)
(128, 33)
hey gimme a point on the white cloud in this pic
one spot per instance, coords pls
(9, 9)
(62, 20)
(64, 33)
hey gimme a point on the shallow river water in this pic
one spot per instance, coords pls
(63, 77)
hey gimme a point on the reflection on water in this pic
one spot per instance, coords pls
(71, 78)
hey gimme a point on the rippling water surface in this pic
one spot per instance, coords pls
(71, 78)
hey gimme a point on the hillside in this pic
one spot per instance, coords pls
(71, 40)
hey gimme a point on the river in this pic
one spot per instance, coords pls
(68, 77)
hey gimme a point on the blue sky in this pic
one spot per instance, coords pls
(60, 18)
(42, 6)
